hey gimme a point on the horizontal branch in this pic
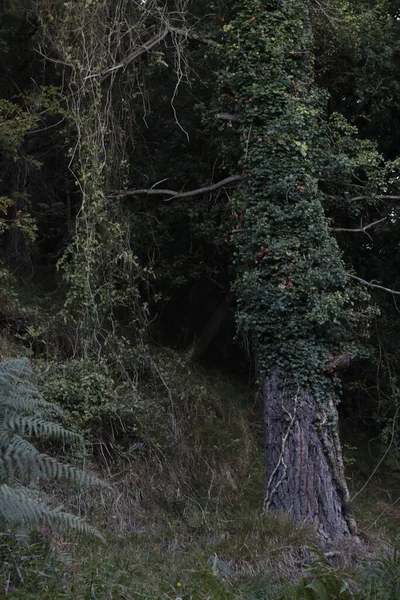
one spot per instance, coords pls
(174, 195)
(375, 197)
(373, 285)
(378, 197)
(357, 230)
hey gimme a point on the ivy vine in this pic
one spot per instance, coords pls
(293, 293)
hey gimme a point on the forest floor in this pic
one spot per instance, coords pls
(189, 524)
(183, 519)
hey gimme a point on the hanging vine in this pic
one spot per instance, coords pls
(293, 292)
(100, 46)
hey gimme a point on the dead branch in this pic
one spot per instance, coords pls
(337, 363)
(174, 195)
(212, 328)
(357, 198)
(373, 285)
(379, 197)
(152, 43)
(146, 48)
(357, 230)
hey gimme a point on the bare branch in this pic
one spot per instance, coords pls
(178, 195)
(357, 198)
(393, 437)
(210, 331)
(152, 43)
(147, 47)
(359, 230)
(338, 229)
(379, 197)
(373, 285)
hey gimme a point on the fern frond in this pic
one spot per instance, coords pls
(25, 414)
(16, 460)
(21, 460)
(31, 426)
(12, 443)
(17, 507)
(23, 399)
(18, 369)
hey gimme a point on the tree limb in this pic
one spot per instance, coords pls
(356, 198)
(358, 230)
(147, 47)
(178, 195)
(152, 43)
(379, 197)
(338, 363)
(373, 285)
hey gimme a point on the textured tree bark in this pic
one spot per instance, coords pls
(304, 466)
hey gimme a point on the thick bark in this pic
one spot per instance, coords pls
(304, 466)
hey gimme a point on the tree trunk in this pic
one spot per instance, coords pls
(304, 466)
(293, 296)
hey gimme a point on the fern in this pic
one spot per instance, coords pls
(25, 416)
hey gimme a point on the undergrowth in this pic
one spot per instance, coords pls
(182, 516)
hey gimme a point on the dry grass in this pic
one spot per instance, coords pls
(169, 510)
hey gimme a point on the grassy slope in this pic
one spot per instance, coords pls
(184, 518)
(178, 516)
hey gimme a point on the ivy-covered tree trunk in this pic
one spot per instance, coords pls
(292, 289)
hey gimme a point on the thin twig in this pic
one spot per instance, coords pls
(357, 198)
(379, 197)
(381, 515)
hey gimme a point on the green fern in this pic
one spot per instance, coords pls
(25, 415)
